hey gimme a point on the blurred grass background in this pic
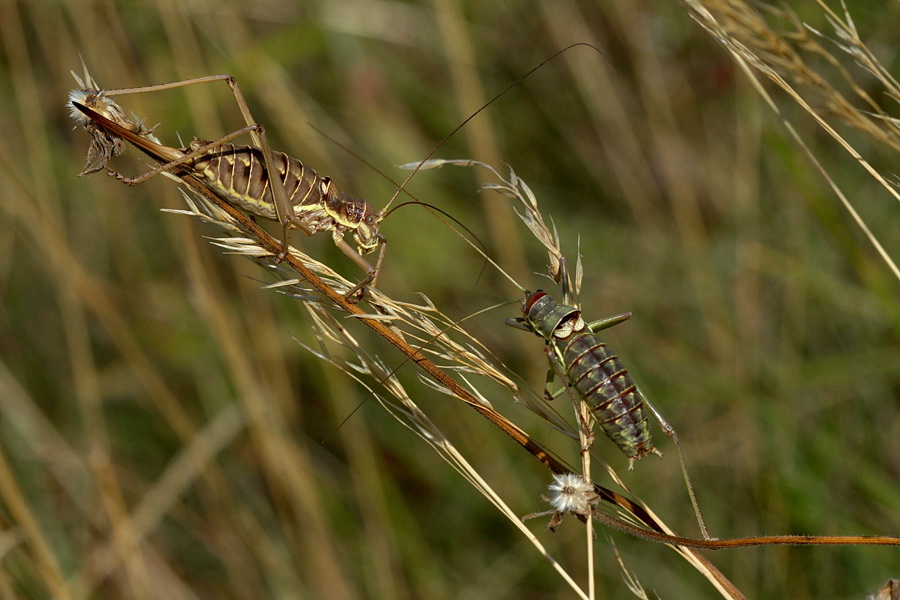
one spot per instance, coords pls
(152, 396)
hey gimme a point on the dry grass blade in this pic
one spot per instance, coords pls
(743, 31)
(631, 581)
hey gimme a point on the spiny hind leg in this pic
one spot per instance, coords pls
(282, 203)
(669, 430)
(165, 167)
(230, 80)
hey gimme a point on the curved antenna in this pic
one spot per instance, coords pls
(484, 106)
(480, 248)
(443, 212)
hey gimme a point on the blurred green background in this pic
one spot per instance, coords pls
(153, 397)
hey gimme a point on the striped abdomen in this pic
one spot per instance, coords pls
(606, 387)
(238, 174)
(596, 373)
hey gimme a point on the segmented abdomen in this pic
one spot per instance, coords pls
(238, 174)
(607, 388)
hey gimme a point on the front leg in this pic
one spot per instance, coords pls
(358, 291)
(557, 367)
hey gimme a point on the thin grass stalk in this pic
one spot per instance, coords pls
(741, 30)
(46, 565)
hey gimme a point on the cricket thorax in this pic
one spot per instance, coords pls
(550, 319)
(345, 210)
(573, 323)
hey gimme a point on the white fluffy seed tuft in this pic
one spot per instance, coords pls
(570, 493)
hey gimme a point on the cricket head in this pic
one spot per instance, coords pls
(548, 318)
(366, 234)
(352, 214)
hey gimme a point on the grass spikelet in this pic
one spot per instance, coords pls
(104, 145)
(781, 58)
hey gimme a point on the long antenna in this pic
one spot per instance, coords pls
(484, 106)
(480, 248)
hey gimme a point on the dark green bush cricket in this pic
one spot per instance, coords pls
(587, 365)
